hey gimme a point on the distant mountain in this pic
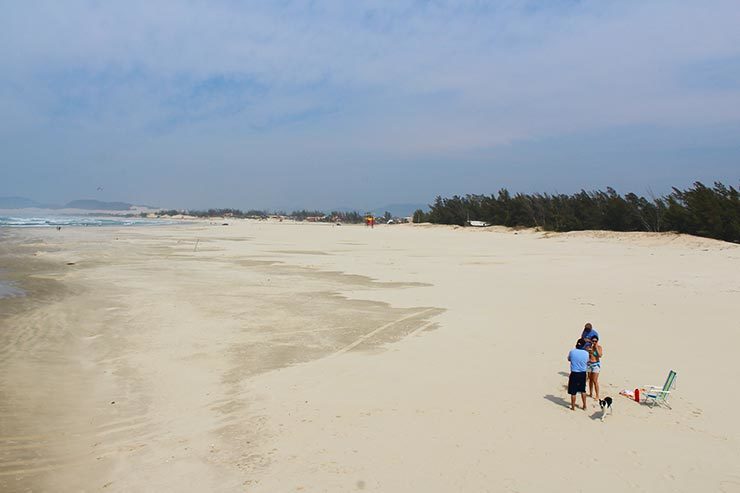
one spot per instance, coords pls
(98, 205)
(18, 203)
(399, 210)
(88, 204)
(345, 209)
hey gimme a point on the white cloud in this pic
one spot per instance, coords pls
(398, 78)
(532, 71)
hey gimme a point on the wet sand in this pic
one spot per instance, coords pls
(298, 357)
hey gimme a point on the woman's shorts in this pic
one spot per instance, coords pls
(594, 367)
(577, 382)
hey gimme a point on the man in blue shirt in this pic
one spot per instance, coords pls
(578, 358)
(588, 334)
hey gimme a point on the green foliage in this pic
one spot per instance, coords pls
(447, 211)
(303, 214)
(254, 214)
(419, 216)
(703, 211)
(700, 210)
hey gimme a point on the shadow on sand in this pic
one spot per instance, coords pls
(560, 401)
(563, 373)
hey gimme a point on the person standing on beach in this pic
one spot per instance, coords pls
(595, 352)
(587, 334)
(578, 358)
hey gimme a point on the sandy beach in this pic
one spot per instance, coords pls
(279, 357)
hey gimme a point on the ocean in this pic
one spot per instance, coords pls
(7, 290)
(71, 221)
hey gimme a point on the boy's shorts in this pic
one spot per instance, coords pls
(577, 382)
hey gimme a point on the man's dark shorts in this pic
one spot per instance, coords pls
(577, 382)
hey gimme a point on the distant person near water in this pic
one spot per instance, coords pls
(595, 352)
(578, 358)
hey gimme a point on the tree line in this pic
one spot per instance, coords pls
(253, 214)
(301, 215)
(712, 212)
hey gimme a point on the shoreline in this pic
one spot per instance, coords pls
(653, 237)
(112, 339)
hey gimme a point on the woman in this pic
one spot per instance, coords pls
(595, 352)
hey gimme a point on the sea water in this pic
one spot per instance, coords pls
(71, 221)
(7, 290)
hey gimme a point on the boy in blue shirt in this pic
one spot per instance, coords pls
(578, 358)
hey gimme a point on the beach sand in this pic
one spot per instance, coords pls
(278, 357)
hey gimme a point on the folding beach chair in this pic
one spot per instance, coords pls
(659, 395)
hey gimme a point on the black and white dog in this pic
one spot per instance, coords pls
(605, 405)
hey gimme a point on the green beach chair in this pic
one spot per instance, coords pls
(659, 395)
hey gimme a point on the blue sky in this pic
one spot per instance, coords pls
(358, 104)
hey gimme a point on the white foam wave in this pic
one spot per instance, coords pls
(54, 221)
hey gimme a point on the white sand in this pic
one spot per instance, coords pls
(297, 357)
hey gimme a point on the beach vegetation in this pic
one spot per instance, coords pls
(419, 216)
(712, 212)
(352, 217)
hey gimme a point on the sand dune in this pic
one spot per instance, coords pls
(307, 357)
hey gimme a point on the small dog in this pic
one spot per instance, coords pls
(605, 405)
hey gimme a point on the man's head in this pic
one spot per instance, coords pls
(580, 343)
(587, 326)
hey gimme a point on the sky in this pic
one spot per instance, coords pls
(356, 104)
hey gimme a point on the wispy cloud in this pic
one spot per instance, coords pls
(333, 79)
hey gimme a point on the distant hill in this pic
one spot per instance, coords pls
(399, 210)
(18, 203)
(86, 204)
(99, 205)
